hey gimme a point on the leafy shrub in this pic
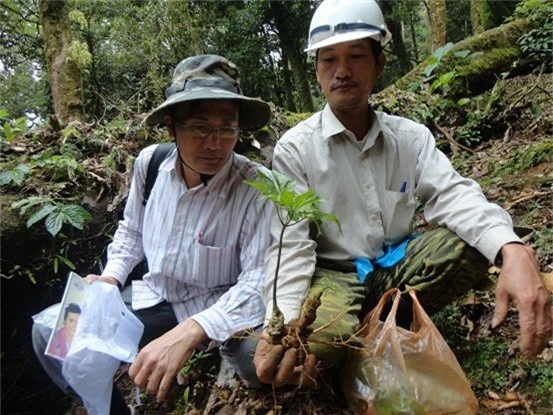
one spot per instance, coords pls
(12, 128)
(54, 213)
(537, 43)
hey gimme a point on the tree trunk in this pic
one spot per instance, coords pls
(438, 19)
(291, 48)
(477, 74)
(303, 88)
(64, 74)
(414, 38)
(286, 76)
(398, 46)
(477, 8)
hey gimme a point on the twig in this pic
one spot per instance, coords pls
(544, 90)
(455, 144)
(507, 135)
(331, 321)
(525, 198)
(513, 404)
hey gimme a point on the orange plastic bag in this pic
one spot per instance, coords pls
(399, 371)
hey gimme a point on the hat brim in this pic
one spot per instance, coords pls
(254, 113)
(348, 37)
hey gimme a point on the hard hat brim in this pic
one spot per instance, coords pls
(347, 37)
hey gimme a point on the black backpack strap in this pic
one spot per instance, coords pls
(160, 153)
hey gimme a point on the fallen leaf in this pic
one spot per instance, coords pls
(511, 396)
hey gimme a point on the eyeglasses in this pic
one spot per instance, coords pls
(203, 131)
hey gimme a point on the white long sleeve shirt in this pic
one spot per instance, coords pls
(371, 187)
(204, 246)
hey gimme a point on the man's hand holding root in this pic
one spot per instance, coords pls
(276, 366)
(158, 362)
(520, 282)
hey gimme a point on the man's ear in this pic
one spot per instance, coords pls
(170, 125)
(380, 64)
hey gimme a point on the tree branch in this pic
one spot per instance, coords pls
(23, 17)
(455, 146)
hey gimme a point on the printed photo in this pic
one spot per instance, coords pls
(70, 311)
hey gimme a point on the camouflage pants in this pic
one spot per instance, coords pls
(439, 265)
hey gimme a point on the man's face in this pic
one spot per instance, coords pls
(71, 323)
(347, 73)
(208, 154)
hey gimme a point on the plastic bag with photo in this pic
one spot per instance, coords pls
(46, 319)
(107, 333)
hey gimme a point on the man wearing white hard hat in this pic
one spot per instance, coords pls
(370, 166)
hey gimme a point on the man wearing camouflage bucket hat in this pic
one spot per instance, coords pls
(203, 231)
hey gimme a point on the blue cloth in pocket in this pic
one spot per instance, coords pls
(393, 253)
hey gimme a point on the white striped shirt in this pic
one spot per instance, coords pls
(205, 245)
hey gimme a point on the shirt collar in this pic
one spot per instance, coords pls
(218, 185)
(331, 126)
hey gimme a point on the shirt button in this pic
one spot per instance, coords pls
(373, 217)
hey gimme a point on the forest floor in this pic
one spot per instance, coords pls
(515, 169)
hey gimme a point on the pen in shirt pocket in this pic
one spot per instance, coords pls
(403, 187)
(200, 235)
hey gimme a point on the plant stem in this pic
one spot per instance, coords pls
(275, 306)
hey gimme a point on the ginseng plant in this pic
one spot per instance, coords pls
(291, 208)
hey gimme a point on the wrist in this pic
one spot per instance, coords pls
(192, 329)
(507, 250)
(111, 280)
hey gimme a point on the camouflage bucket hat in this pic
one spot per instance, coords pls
(211, 77)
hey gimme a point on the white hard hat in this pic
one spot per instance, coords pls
(337, 21)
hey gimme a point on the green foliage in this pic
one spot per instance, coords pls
(79, 54)
(15, 176)
(191, 367)
(294, 118)
(186, 396)
(535, 10)
(542, 375)
(78, 17)
(436, 58)
(22, 82)
(194, 362)
(54, 213)
(11, 129)
(525, 158)
(443, 81)
(61, 166)
(544, 236)
(62, 256)
(292, 207)
(487, 366)
(537, 43)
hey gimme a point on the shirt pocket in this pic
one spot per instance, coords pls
(214, 266)
(398, 210)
